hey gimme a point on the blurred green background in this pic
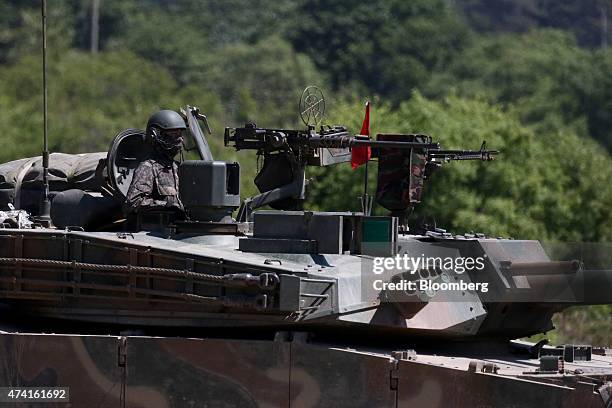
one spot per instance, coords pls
(531, 78)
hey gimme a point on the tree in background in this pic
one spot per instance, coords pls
(543, 75)
(387, 47)
(21, 31)
(261, 82)
(586, 19)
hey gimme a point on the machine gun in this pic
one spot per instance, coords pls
(305, 144)
(287, 152)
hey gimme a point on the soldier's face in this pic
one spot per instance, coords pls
(174, 136)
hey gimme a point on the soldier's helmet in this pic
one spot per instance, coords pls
(165, 130)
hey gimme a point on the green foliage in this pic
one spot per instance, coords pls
(549, 81)
(260, 82)
(585, 18)
(590, 325)
(21, 31)
(239, 21)
(176, 47)
(184, 37)
(387, 47)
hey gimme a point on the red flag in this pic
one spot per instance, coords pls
(361, 155)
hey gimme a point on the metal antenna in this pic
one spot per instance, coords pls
(95, 26)
(45, 206)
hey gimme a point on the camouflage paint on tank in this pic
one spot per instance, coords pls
(162, 372)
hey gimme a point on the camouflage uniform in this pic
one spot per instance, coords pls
(154, 185)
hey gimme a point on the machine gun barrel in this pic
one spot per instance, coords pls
(482, 154)
(485, 155)
(344, 140)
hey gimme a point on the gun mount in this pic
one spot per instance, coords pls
(287, 152)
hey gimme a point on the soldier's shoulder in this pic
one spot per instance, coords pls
(150, 163)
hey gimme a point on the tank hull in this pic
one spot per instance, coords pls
(149, 279)
(141, 371)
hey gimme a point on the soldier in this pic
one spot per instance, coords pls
(155, 183)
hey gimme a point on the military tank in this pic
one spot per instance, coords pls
(278, 307)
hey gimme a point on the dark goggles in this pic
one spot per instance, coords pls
(171, 139)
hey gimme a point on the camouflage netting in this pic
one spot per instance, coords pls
(21, 180)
